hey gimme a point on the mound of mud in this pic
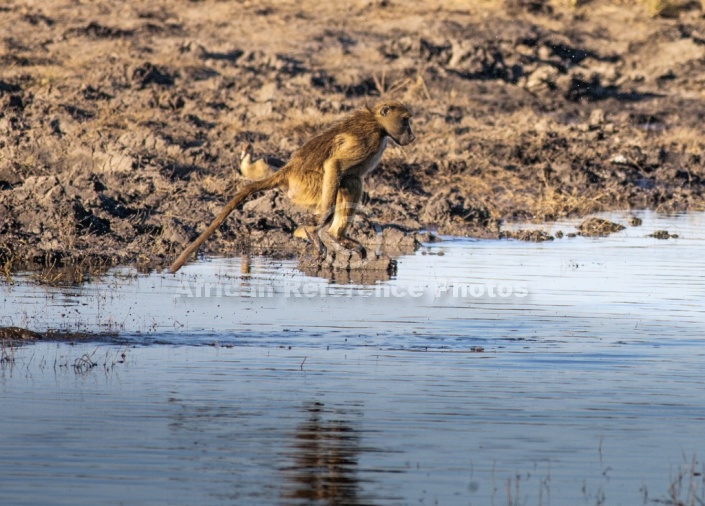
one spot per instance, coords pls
(597, 227)
(20, 334)
(663, 234)
(121, 124)
(528, 235)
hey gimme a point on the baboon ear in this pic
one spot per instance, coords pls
(384, 110)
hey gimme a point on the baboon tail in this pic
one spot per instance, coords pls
(265, 184)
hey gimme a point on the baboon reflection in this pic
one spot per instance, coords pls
(325, 457)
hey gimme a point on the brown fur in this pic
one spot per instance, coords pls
(325, 174)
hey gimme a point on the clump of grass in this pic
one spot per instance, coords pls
(6, 271)
(7, 353)
(85, 362)
(687, 487)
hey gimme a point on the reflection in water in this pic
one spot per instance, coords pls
(325, 457)
(245, 265)
(346, 277)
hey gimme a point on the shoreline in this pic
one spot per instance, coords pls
(122, 157)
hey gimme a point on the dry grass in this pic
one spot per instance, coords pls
(688, 485)
(7, 353)
(684, 139)
(554, 203)
(666, 8)
(6, 271)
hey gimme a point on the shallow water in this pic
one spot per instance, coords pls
(501, 372)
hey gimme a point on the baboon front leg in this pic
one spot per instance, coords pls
(349, 196)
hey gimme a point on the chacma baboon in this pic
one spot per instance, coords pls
(325, 174)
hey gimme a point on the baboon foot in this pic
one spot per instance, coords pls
(361, 251)
(322, 250)
(353, 245)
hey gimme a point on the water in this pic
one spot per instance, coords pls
(579, 382)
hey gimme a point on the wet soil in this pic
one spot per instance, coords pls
(121, 124)
(527, 235)
(598, 227)
(23, 334)
(663, 234)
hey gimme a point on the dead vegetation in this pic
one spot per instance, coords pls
(121, 125)
(7, 352)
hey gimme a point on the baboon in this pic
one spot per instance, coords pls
(325, 174)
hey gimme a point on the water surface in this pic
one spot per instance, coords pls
(495, 372)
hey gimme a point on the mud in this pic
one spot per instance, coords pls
(528, 235)
(8, 335)
(18, 334)
(663, 234)
(121, 123)
(598, 227)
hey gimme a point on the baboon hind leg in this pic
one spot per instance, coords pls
(304, 231)
(347, 202)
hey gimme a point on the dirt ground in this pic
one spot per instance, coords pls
(121, 122)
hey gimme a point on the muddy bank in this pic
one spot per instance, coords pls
(121, 125)
(21, 334)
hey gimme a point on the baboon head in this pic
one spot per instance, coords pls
(394, 118)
